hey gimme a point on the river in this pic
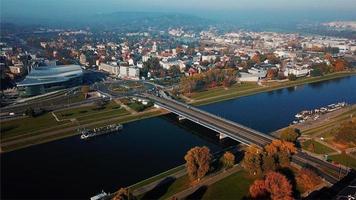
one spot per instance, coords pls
(72, 168)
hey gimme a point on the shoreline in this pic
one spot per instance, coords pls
(70, 131)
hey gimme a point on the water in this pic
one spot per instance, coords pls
(270, 111)
(79, 169)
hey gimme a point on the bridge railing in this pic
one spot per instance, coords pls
(222, 119)
(207, 125)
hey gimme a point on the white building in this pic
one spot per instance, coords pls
(112, 69)
(298, 72)
(246, 77)
(129, 72)
(209, 58)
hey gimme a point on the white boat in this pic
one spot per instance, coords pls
(99, 196)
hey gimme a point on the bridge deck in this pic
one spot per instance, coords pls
(245, 135)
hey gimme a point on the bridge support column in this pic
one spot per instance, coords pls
(222, 136)
(180, 118)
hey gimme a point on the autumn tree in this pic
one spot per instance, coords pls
(123, 194)
(274, 186)
(278, 186)
(282, 150)
(329, 57)
(272, 73)
(307, 179)
(252, 160)
(289, 134)
(258, 190)
(198, 162)
(227, 160)
(340, 65)
(256, 58)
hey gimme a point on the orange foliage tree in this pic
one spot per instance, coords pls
(278, 154)
(198, 162)
(274, 186)
(227, 160)
(340, 65)
(123, 194)
(307, 179)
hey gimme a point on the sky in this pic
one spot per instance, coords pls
(29, 9)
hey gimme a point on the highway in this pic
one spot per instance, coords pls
(248, 136)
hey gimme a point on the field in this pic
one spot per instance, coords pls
(344, 159)
(318, 147)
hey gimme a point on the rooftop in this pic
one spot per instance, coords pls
(51, 74)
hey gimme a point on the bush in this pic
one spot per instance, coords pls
(292, 77)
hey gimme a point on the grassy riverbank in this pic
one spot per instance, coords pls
(245, 89)
(60, 130)
(30, 131)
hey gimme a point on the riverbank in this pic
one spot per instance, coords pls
(70, 129)
(222, 94)
(318, 137)
(46, 128)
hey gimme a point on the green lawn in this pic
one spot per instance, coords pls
(218, 91)
(318, 147)
(25, 125)
(344, 159)
(235, 186)
(86, 111)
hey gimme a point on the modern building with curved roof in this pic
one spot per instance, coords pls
(50, 78)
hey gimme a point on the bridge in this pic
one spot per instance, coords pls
(248, 136)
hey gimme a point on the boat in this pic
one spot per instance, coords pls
(315, 114)
(99, 196)
(88, 133)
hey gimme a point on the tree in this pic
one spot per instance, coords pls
(292, 77)
(30, 112)
(227, 160)
(123, 194)
(252, 160)
(274, 186)
(307, 179)
(258, 190)
(272, 73)
(268, 162)
(175, 70)
(316, 72)
(329, 57)
(281, 151)
(340, 65)
(198, 162)
(278, 186)
(256, 58)
(289, 134)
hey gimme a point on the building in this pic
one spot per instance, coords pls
(110, 68)
(17, 69)
(50, 78)
(297, 70)
(83, 59)
(130, 72)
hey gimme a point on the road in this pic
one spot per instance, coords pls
(329, 172)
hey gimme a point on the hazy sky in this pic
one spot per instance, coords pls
(58, 8)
